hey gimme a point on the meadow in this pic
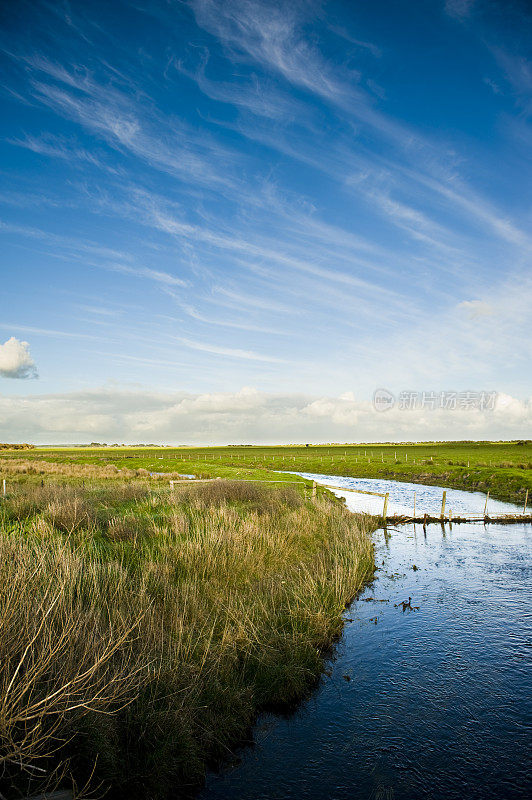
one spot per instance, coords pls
(142, 628)
(502, 468)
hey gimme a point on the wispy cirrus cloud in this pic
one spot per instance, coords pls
(273, 36)
(247, 355)
(270, 34)
(371, 47)
(257, 96)
(130, 124)
(460, 9)
(152, 210)
(155, 275)
(94, 254)
(13, 326)
(517, 69)
(60, 147)
(229, 323)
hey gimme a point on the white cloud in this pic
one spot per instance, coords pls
(58, 147)
(268, 34)
(475, 309)
(15, 360)
(459, 9)
(247, 416)
(273, 36)
(257, 97)
(129, 127)
(248, 355)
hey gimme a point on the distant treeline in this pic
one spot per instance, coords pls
(17, 446)
(104, 444)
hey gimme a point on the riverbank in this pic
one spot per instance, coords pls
(507, 484)
(502, 468)
(142, 629)
(429, 693)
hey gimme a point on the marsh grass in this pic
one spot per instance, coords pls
(141, 631)
(255, 496)
(40, 467)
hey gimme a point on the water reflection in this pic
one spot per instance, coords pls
(428, 703)
(401, 501)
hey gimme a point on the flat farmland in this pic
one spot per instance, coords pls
(502, 468)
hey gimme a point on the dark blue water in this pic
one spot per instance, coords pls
(429, 703)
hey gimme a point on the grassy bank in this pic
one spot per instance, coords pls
(503, 468)
(141, 629)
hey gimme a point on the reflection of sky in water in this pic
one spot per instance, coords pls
(401, 500)
(433, 703)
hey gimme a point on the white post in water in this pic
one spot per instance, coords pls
(414, 505)
(443, 505)
(524, 509)
(385, 506)
(486, 503)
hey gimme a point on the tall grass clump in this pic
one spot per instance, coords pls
(141, 631)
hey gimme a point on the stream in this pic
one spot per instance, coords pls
(433, 702)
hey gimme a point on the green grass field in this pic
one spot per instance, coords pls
(503, 468)
(142, 628)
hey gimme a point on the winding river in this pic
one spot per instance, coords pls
(433, 702)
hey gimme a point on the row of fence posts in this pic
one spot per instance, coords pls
(443, 503)
(385, 505)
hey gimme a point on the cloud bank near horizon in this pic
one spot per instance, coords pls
(246, 416)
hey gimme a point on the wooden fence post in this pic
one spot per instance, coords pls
(524, 509)
(385, 506)
(486, 503)
(443, 505)
(314, 489)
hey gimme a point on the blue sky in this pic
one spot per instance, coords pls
(238, 218)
